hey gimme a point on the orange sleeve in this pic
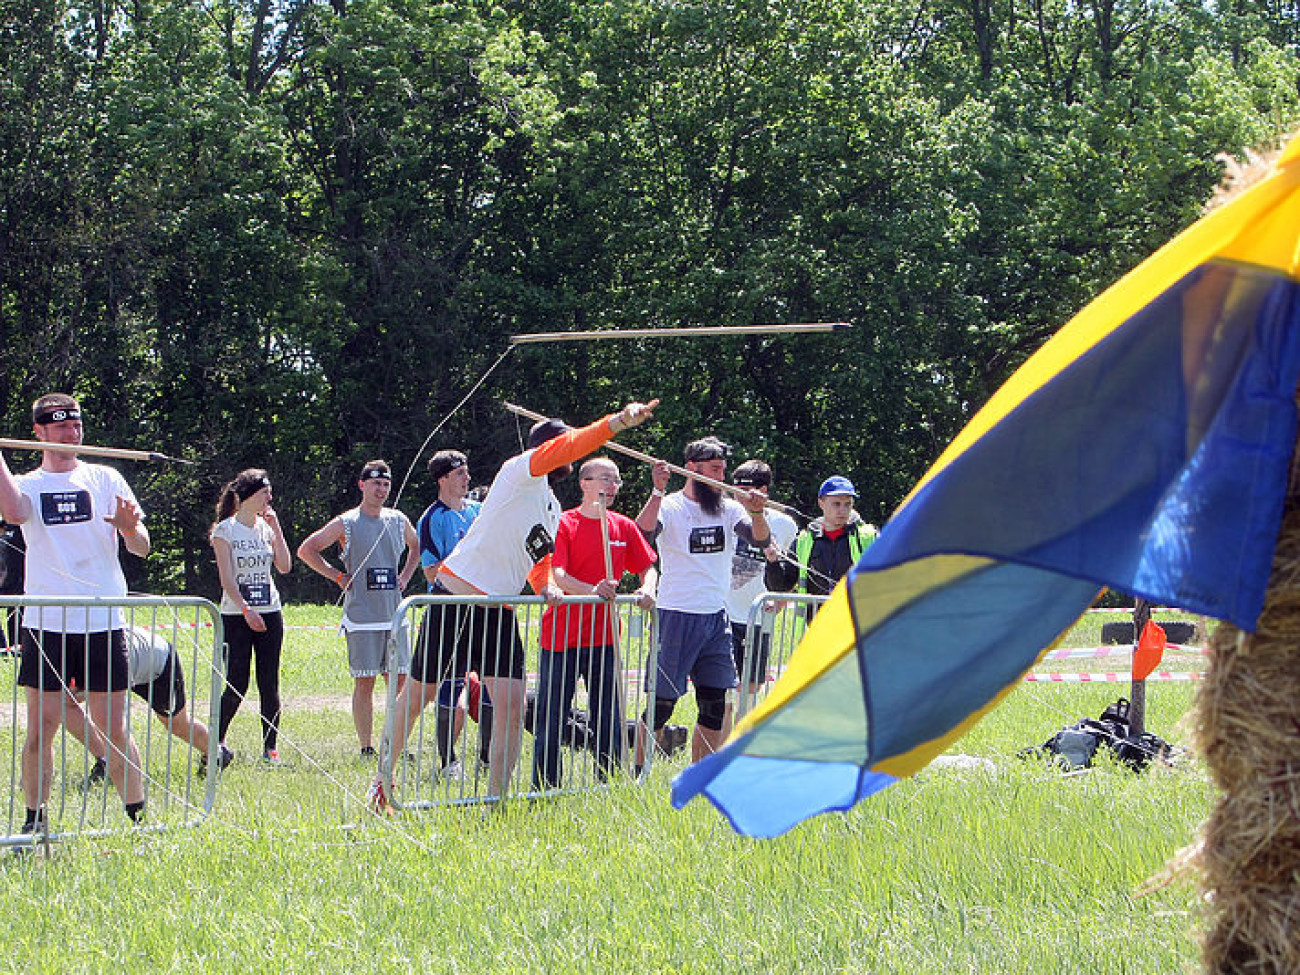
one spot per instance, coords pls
(540, 574)
(569, 447)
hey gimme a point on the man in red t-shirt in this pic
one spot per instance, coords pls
(582, 640)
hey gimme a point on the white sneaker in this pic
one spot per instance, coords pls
(455, 772)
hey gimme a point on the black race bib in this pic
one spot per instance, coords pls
(65, 507)
(256, 593)
(381, 578)
(706, 541)
(538, 544)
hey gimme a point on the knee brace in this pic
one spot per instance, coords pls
(712, 702)
(663, 711)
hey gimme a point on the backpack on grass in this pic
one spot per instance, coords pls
(1075, 746)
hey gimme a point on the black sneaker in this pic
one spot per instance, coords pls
(38, 832)
(673, 738)
(224, 757)
(98, 772)
(368, 752)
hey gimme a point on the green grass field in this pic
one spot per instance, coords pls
(1018, 870)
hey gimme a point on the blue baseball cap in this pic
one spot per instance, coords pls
(836, 484)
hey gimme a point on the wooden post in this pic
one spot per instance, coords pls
(1138, 692)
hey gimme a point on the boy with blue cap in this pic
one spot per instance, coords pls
(831, 545)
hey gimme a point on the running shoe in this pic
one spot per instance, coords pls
(271, 757)
(38, 831)
(368, 751)
(224, 757)
(379, 796)
(98, 772)
(453, 772)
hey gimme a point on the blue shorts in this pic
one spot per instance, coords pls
(694, 645)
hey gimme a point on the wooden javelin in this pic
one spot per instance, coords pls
(81, 448)
(647, 459)
(533, 338)
(615, 635)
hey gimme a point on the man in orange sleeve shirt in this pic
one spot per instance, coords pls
(508, 545)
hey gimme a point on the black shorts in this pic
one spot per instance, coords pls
(165, 694)
(455, 640)
(82, 661)
(762, 657)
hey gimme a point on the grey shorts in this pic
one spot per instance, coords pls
(694, 645)
(165, 694)
(368, 654)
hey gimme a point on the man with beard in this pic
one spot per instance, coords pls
(508, 544)
(696, 529)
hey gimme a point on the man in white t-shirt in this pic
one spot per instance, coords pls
(72, 514)
(696, 529)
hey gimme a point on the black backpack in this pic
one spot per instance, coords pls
(1076, 745)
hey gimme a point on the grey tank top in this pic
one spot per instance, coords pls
(372, 549)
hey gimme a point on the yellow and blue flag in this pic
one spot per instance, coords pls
(1145, 447)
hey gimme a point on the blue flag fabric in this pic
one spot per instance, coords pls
(1146, 447)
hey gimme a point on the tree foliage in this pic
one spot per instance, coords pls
(296, 235)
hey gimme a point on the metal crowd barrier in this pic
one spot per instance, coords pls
(169, 762)
(776, 624)
(560, 746)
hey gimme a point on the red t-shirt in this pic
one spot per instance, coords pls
(580, 552)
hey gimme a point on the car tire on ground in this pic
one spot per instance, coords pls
(1121, 631)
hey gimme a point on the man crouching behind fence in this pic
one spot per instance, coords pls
(72, 514)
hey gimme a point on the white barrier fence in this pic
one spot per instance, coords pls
(494, 710)
(777, 622)
(776, 625)
(53, 730)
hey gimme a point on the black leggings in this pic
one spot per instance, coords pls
(241, 641)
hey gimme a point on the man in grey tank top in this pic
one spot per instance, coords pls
(371, 539)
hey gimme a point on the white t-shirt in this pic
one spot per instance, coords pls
(254, 559)
(695, 551)
(748, 564)
(71, 549)
(513, 532)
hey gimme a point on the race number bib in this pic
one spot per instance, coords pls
(256, 593)
(538, 544)
(706, 541)
(381, 578)
(65, 507)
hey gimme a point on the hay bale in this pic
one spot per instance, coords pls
(1248, 729)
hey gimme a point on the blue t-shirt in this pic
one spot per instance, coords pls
(440, 528)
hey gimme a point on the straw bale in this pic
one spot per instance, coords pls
(1248, 730)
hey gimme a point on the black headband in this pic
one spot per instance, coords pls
(245, 491)
(57, 414)
(376, 474)
(441, 466)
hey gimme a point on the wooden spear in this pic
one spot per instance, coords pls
(709, 331)
(81, 448)
(647, 459)
(615, 633)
